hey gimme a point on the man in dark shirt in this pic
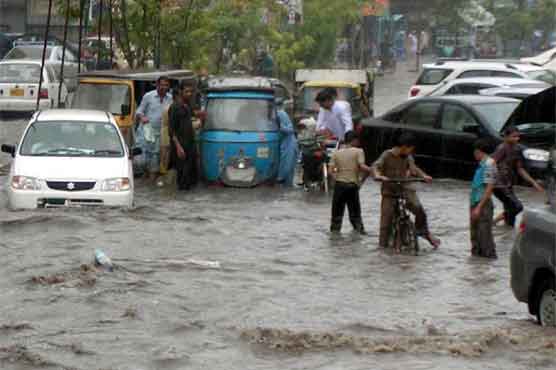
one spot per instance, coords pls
(509, 162)
(182, 135)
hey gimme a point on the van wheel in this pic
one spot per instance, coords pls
(546, 311)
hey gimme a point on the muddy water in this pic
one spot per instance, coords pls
(284, 295)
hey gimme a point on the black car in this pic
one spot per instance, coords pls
(447, 126)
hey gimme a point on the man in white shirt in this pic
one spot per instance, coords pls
(335, 115)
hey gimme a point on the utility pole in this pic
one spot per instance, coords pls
(158, 30)
(111, 33)
(63, 53)
(99, 31)
(79, 51)
(44, 51)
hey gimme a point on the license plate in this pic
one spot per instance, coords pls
(263, 152)
(16, 92)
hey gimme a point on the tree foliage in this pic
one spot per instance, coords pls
(221, 34)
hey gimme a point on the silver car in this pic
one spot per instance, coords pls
(533, 259)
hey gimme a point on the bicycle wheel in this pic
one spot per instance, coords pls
(412, 238)
(397, 238)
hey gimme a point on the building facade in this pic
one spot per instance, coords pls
(29, 16)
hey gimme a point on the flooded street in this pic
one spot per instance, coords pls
(285, 294)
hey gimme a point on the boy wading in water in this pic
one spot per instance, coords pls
(509, 162)
(398, 163)
(481, 207)
(346, 166)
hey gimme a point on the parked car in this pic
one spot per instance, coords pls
(532, 264)
(446, 128)
(473, 86)
(54, 56)
(542, 58)
(434, 74)
(70, 158)
(19, 86)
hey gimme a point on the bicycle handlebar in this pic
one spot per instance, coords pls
(403, 180)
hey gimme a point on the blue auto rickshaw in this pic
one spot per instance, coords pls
(240, 138)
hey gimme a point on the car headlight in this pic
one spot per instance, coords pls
(118, 184)
(536, 155)
(25, 183)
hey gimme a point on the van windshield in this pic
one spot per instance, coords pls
(104, 97)
(72, 139)
(310, 94)
(240, 114)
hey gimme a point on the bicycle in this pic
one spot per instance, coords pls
(403, 231)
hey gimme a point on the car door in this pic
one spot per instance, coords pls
(459, 129)
(422, 120)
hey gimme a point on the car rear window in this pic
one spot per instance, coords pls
(496, 114)
(433, 76)
(20, 73)
(28, 52)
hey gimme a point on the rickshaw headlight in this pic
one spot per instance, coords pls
(263, 152)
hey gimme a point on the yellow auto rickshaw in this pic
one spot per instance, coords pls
(120, 92)
(353, 86)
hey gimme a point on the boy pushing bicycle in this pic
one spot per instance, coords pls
(398, 163)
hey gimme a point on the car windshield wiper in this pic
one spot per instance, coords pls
(107, 152)
(65, 150)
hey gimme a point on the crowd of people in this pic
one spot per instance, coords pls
(495, 176)
(167, 132)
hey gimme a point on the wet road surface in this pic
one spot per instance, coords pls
(284, 295)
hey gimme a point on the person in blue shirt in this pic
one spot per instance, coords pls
(288, 149)
(481, 206)
(149, 115)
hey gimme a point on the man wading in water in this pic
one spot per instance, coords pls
(346, 166)
(183, 153)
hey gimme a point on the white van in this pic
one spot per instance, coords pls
(70, 158)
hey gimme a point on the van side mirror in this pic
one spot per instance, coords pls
(136, 151)
(125, 110)
(10, 149)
